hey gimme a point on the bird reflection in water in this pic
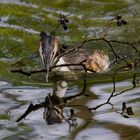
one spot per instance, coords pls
(54, 106)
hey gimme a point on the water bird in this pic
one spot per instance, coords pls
(48, 49)
(96, 60)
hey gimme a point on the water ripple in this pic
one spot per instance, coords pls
(104, 114)
(18, 2)
(5, 25)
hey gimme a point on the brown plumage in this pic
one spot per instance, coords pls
(96, 60)
(48, 49)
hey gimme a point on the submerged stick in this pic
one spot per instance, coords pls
(30, 109)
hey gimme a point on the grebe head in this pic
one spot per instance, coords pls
(43, 34)
(48, 49)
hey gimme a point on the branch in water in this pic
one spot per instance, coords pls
(30, 109)
(126, 43)
(47, 104)
(77, 95)
(29, 73)
(128, 110)
(117, 57)
(113, 95)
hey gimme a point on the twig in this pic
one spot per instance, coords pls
(113, 95)
(77, 95)
(62, 21)
(110, 45)
(29, 73)
(30, 109)
(133, 86)
(108, 100)
(80, 46)
(117, 57)
(126, 43)
(116, 111)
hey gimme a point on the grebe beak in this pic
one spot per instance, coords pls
(48, 49)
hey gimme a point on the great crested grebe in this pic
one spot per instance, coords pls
(48, 49)
(96, 61)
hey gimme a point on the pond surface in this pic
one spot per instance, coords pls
(101, 125)
(20, 24)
